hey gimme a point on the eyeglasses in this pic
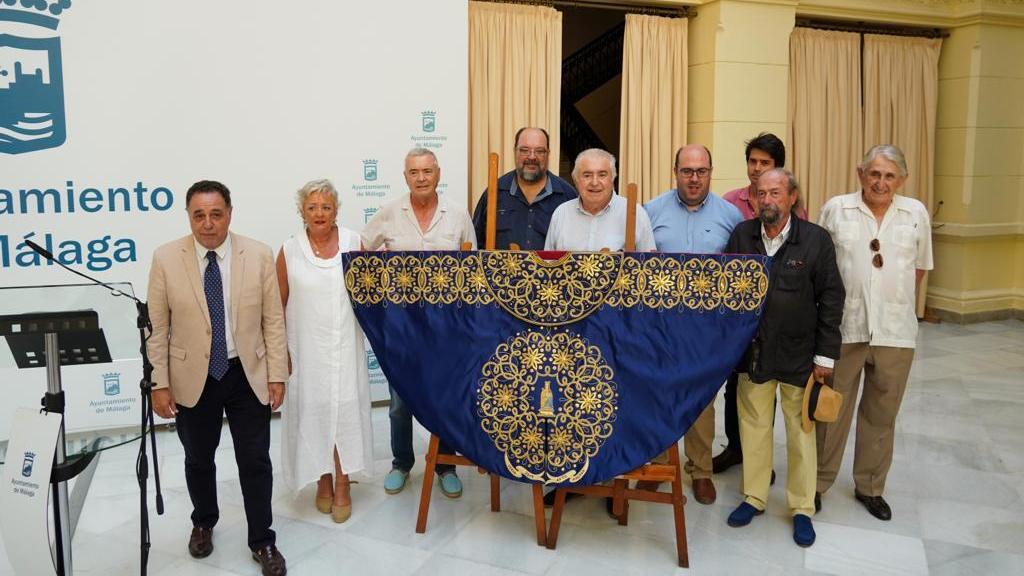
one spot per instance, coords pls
(534, 151)
(876, 260)
(689, 172)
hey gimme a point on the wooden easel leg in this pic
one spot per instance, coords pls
(556, 518)
(495, 493)
(678, 500)
(538, 515)
(428, 485)
(619, 503)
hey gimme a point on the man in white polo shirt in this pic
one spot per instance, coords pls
(883, 247)
(597, 219)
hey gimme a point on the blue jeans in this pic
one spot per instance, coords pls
(401, 437)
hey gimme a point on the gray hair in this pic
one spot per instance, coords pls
(794, 186)
(594, 153)
(420, 151)
(322, 186)
(890, 153)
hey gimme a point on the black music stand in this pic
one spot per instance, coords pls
(51, 340)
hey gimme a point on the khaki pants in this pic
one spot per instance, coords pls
(885, 372)
(756, 406)
(697, 444)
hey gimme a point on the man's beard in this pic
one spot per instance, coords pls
(535, 176)
(770, 215)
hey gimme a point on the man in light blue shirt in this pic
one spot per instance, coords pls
(690, 219)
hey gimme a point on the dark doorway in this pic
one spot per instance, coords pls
(591, 81)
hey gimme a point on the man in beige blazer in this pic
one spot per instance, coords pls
(218, 348)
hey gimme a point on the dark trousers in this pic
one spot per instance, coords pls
(249, 421)
(732, 418)
(401, 437)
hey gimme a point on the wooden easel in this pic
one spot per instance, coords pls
(621, 494)
(619, 491)
(433, 457)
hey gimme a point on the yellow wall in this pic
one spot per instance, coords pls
(979, 240)
(738, 80)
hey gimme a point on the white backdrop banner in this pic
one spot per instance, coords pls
(110, 109)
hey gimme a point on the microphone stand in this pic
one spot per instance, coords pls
(145, 326)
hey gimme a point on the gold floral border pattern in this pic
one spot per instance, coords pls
(548, 401)
(558, 292)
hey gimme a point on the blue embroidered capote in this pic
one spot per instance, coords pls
(563, 371)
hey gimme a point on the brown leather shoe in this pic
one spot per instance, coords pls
(271, 561)
(200, 543)
(704, 490)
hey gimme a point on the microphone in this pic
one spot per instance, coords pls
(40, 250)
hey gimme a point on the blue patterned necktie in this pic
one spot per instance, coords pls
(214, 288)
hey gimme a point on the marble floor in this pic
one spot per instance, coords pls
(956, 489)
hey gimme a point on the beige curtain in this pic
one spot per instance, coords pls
(515, 80)
(901, 84)
(653, 120)
(823, 138)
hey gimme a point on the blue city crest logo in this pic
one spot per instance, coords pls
(27, 464)
(369, 170)
(368, 213)
(429, 119)
(371, 361)
(112, 383)
(31, 79)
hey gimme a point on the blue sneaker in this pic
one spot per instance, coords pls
(451, 486)
(395, 481)
(803, 530)
(742, 515)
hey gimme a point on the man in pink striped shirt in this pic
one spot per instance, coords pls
(764, 152)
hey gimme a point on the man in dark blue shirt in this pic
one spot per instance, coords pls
(527, 196)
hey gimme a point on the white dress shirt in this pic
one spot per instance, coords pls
(880, 302)
(224, 263)
(573, 228)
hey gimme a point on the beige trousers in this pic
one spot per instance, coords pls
(697, 444)
(885, 371)
(756, 406)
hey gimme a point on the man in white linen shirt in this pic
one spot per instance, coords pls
(419, 220)
(883, 247)
(597, 219)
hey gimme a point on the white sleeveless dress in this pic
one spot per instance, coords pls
(327, 402)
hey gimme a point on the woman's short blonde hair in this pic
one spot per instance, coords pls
(322, 186)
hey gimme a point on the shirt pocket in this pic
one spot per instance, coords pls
(904, 235)
(847, 232)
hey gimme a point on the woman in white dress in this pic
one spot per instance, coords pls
(326, 420)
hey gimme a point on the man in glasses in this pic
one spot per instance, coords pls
(883, 247)
(689, 218)
(527, 196)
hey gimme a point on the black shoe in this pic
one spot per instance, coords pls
(726, 459)
(200, 542)
(817, 501)
(876, 505)
(549, 498)
(772, 481)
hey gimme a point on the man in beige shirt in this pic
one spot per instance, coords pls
(420, 220)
